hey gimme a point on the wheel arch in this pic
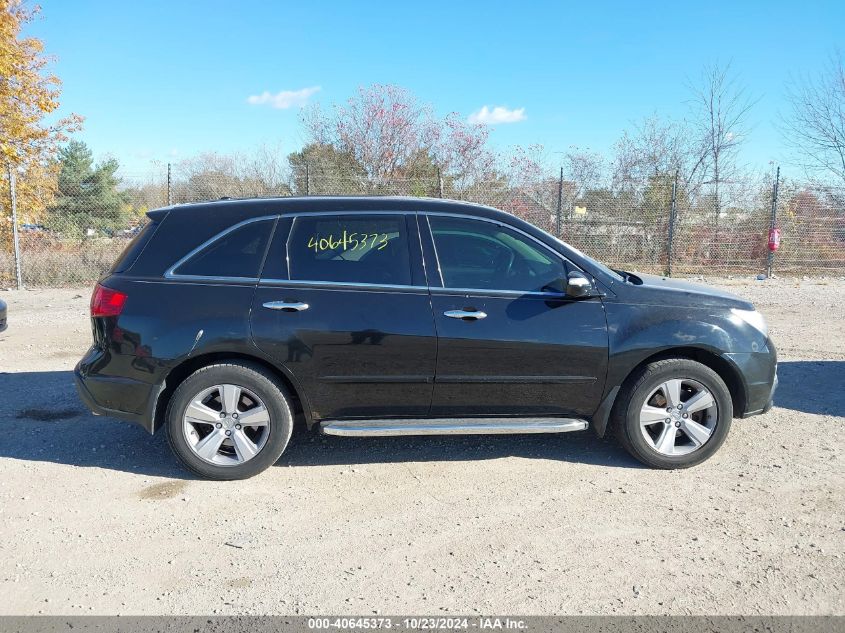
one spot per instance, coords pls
(723, 367)
(188, 366)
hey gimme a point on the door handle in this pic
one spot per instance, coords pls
(286, 306)
(466, 315)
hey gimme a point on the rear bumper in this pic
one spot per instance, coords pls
(116, 397)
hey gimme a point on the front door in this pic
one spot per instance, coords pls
(343, 306)
(509, 341)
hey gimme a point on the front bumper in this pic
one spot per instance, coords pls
(771, 402)
(760, 379)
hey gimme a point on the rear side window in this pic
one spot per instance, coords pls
(238, 253)
(370, 249)
(134, 248)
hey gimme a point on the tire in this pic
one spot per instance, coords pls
(243, 449)
(693, 433)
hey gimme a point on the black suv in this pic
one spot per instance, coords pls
(223, 322)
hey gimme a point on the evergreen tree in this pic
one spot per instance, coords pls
(87, 196)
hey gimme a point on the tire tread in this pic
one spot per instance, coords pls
(620, 412)
(229, 473)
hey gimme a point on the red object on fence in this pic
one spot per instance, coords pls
(774, 239)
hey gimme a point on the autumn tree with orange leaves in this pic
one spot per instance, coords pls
(28, 94)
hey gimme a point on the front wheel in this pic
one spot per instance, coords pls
(673, 413)
(229, 421)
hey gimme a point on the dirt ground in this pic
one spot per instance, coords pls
(97, 518)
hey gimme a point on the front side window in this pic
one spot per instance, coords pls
(238, 253)
(474, 254)
(369, 249)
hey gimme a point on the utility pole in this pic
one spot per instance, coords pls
(16, 240)
(672, 218)
(770, 258)
(169, 187)
(307, 181)
(559, 204)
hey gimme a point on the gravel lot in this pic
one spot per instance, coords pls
(96, 517)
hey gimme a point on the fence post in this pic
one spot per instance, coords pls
(307, 180)
(16, 241)
(559, 218)
(439, 183)
(672, 218)
(169, 187)
(770, 258)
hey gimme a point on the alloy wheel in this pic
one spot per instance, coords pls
(226, 425)
(678, 417)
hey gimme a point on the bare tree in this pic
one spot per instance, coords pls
(382, 126)
(585, 169)
(461, 152)
(392, 135)
(720, 107)
(532, 186)
(657, 148)
(212, 175)
(266, 170)
(815, 127)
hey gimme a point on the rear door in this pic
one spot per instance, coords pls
(510, 341)
(342, 305)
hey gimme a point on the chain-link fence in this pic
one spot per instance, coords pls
(659, 226)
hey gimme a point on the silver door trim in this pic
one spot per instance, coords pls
(170, 274)
(451, 426)
(347, 285)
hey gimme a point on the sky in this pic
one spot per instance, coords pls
(161, 81)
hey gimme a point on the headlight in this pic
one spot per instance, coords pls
(754, 319)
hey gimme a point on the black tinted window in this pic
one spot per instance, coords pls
(134, 247)
(487, 256)
(354, 249)
(236, 254)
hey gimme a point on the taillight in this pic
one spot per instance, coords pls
(106, 302)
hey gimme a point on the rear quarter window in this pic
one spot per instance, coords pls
(134, 248)
(237, 253)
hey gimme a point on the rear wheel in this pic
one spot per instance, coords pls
(673, 413)
(229, 421)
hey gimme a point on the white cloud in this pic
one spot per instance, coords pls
(284, 99)
(497, 114)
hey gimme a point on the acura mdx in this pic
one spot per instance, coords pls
(224, 322)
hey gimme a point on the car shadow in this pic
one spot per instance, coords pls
(314, 449)
(43, 420)
(812, 386)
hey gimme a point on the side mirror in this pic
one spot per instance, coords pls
(578, 286)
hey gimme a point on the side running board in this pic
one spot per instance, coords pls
(450, 426)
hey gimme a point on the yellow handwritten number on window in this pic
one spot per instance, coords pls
(348, 242)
